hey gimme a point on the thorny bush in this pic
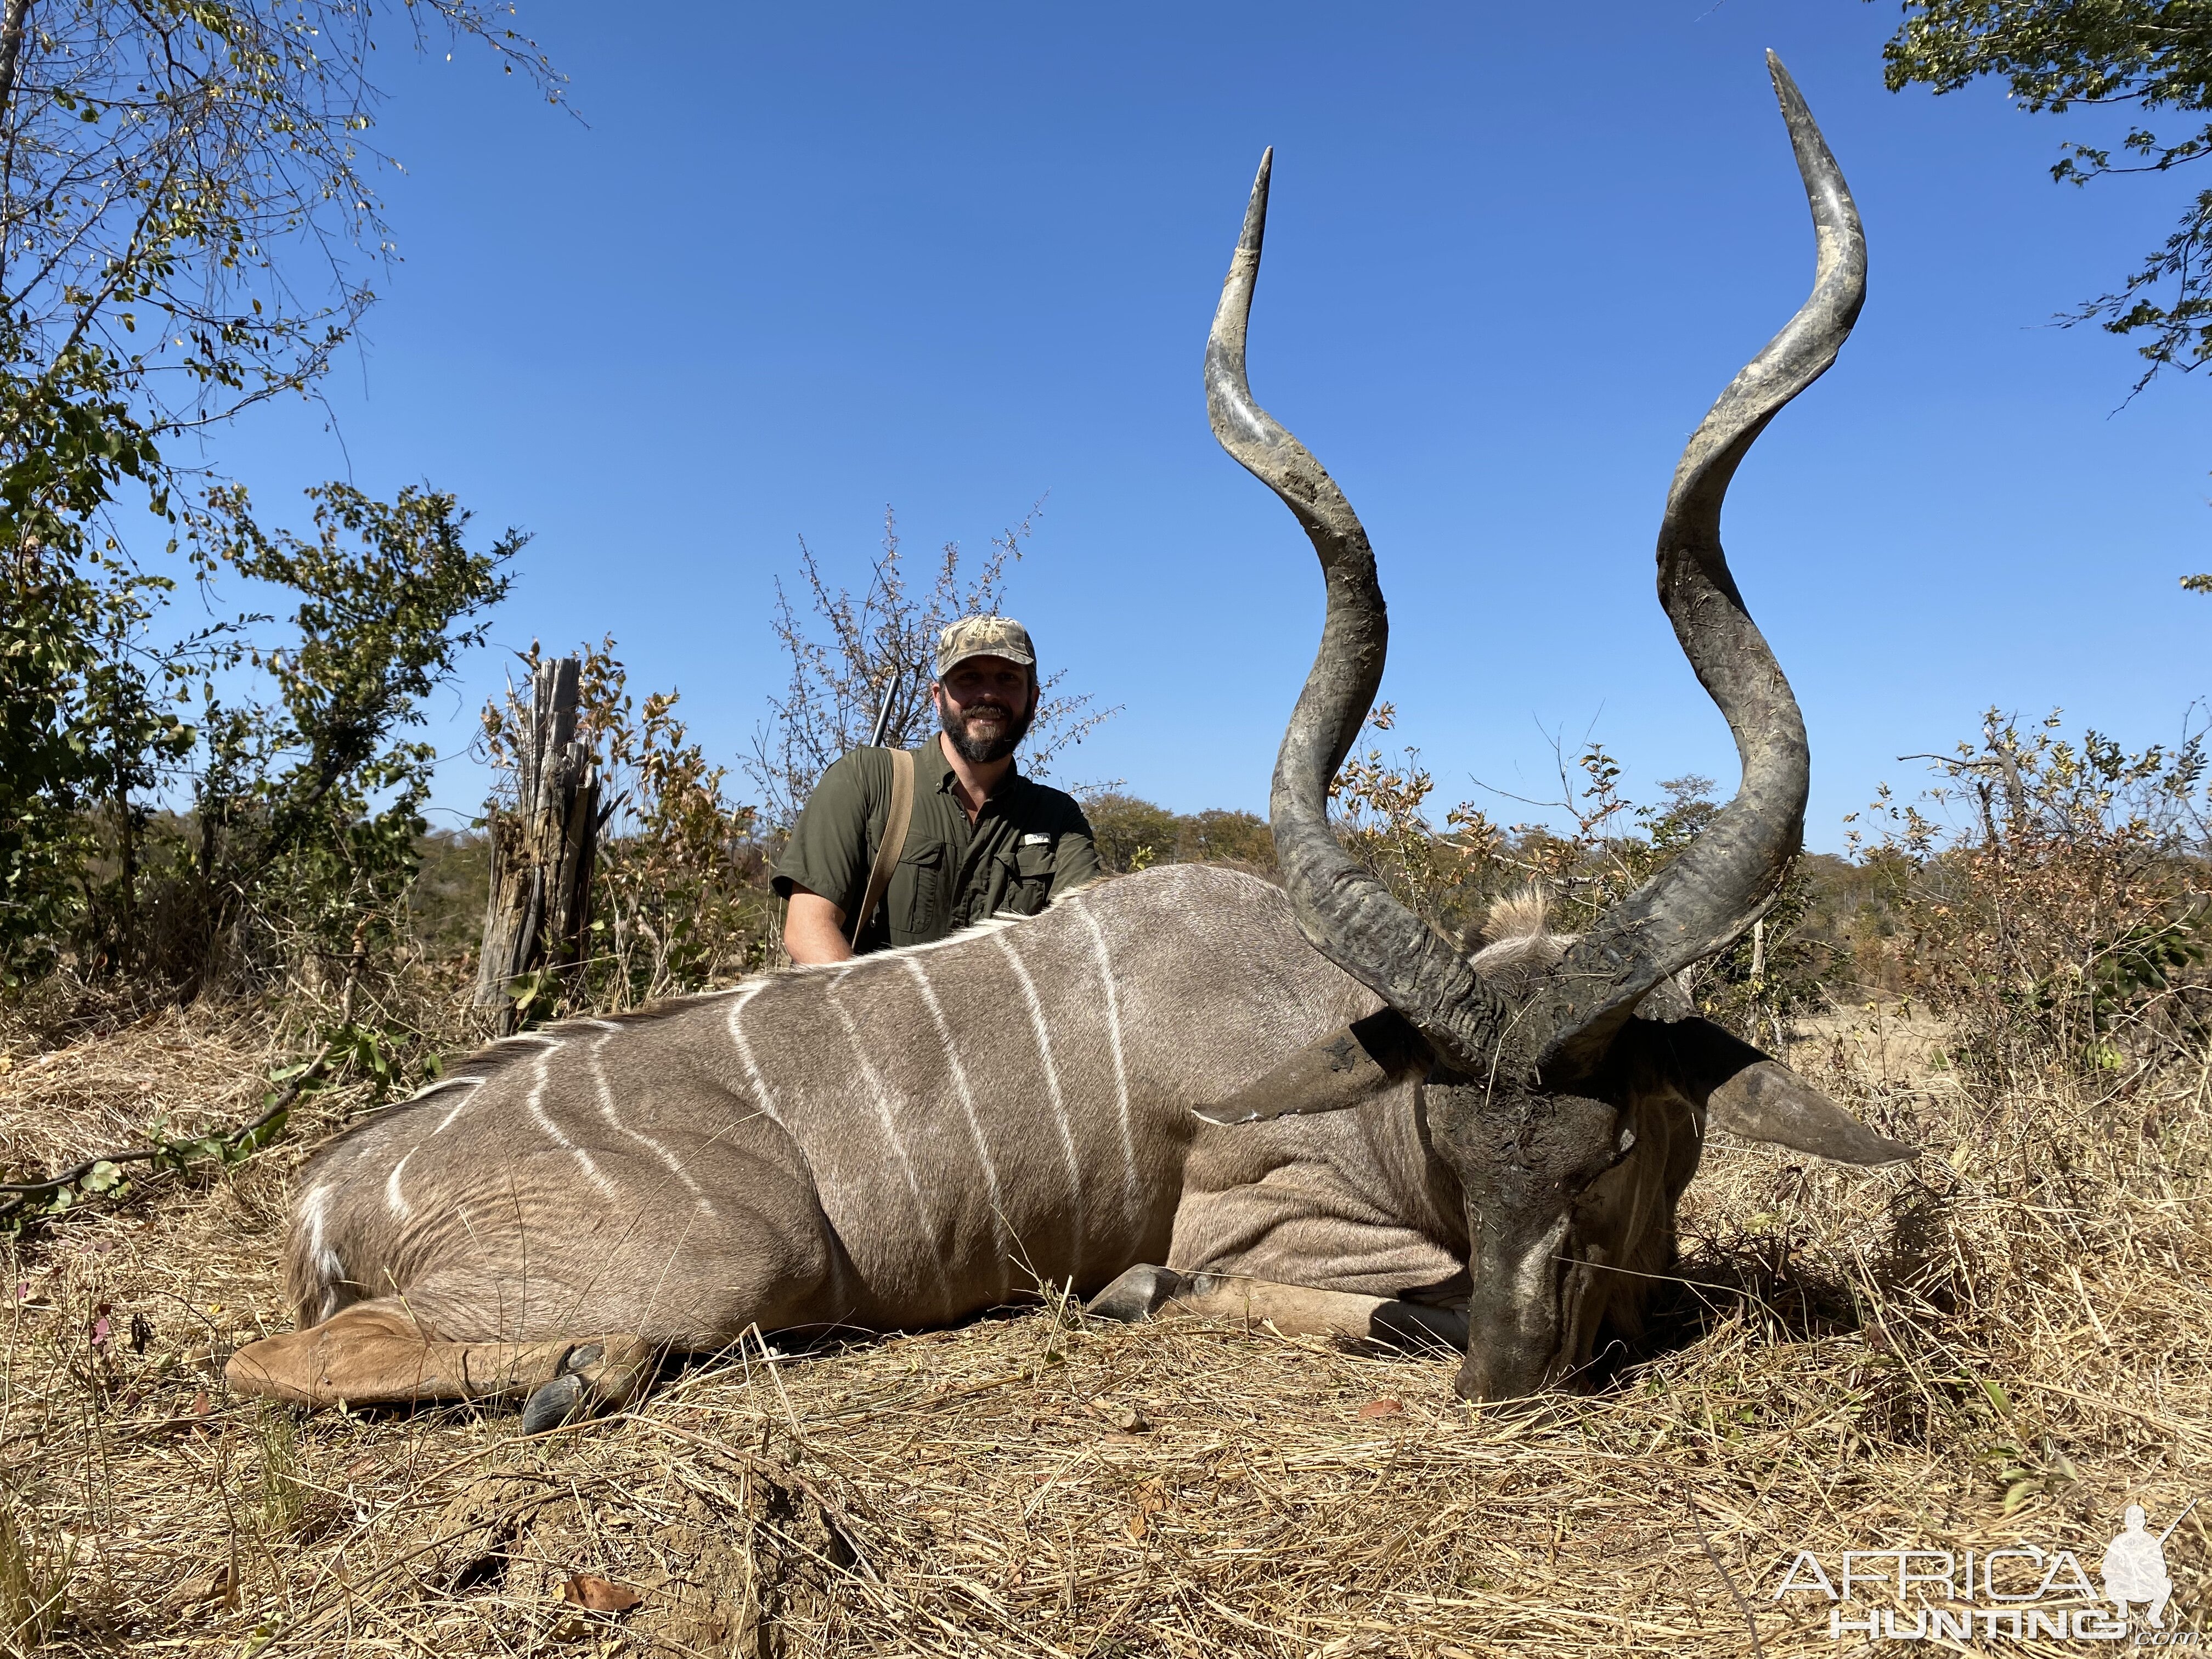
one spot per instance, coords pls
(680, 899)
(2049, 898)
(879, 649)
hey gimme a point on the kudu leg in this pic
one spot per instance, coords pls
(376, 1353)
(1150, 1292)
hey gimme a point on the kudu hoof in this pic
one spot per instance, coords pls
(552, 1404)
(594, 1378)
(1137, 1295)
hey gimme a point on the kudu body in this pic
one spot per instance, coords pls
(1301, 1102)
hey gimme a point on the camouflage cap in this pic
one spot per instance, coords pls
(983, 636)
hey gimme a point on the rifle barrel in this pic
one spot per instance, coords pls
(2178, 1519)
(884, 708)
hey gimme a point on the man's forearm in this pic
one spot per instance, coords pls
(814, 929)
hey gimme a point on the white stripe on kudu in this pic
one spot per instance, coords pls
(429, 1089)
(868, 1074)
(1121, 1070)
(968, 1106)
(394, 1200)
(446, 1121)
(328, 1270)
(990, 924)
(761, 1097)
(1059, 1106)
(674, 1164)
(537, 1103)
(763, 1101)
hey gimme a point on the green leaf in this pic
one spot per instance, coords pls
(254, 1140)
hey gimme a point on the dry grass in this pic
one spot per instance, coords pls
(168, 1071)
(1860, 1362)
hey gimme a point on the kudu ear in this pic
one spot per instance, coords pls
(1353, 1063)
(1769, 1101)
(1749, 1094)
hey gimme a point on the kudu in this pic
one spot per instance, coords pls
(1367, 1131)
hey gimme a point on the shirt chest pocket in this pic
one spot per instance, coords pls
(1029, 867)
(917, 899)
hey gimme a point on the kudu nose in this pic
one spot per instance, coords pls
(1513, 1336)
(1511, 1381)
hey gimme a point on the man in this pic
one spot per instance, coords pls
(2135, 1568)
(982, 839)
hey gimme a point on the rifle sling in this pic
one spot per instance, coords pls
(896, 824)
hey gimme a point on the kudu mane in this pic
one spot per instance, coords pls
(483, 1065)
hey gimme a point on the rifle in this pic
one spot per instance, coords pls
(2178, 1519)
(898, 817)
(884, 710)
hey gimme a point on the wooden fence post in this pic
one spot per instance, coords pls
(541, 853)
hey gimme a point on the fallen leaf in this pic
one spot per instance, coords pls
(201, 1404)
(1121, 1415)
(1384, 1407)
(210, 1587)
(596, 1594)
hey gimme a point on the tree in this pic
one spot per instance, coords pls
(2149, 55)
(307, 815)
(191, 206)
(189, 216)
(1134, 834)
(882, 644)
(679, 898)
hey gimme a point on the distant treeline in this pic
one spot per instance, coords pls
(1133, 834)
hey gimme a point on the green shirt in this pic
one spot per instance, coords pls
(1030, 844)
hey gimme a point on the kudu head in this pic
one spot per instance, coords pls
(1572, 1123)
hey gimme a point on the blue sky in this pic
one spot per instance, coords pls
(797, 263)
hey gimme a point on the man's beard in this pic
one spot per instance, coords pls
(982, 751)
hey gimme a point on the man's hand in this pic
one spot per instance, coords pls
(814, 928)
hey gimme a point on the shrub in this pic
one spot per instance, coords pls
(301, 846)
(1131, 834)
(875, 653)
(2049, 898)
(679, 895)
